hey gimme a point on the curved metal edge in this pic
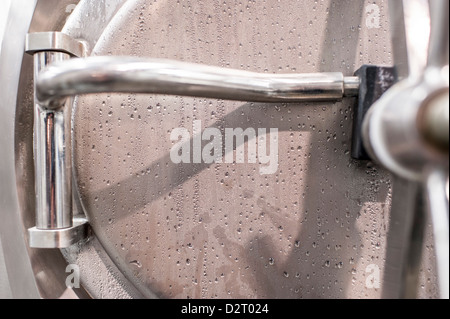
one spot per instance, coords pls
(20, 273)
(32, 274)
(94, 251)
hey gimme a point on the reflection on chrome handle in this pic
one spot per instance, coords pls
(156, 76)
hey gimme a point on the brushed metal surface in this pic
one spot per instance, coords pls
(5, 289)
(315, 229)
(202, 231)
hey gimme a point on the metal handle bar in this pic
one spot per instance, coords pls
(158, 76)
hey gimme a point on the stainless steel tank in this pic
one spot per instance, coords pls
(316, 226)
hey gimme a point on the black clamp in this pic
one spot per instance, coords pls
(374, 82)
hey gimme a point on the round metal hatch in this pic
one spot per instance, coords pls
(315, 227)
(224, 230)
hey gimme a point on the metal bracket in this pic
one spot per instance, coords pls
(54, 42)
(374, 82)
(60, 238)
(55, 225)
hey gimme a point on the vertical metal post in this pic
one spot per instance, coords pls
(52, 154)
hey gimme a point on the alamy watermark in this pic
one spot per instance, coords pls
(261, 147)
(373, 16)
(73, 279)
(373, 279)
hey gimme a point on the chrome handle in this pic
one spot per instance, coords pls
(157, 76)
(56, 226)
